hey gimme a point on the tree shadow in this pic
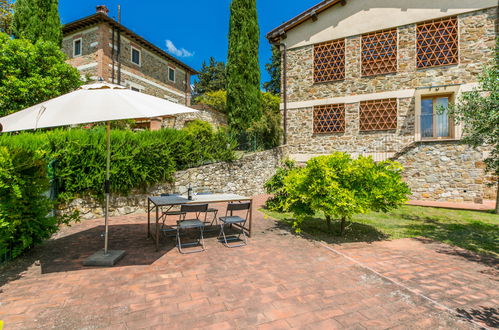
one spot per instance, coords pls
(487, 315)
(481, 240)
(67, 253)
(317, 229)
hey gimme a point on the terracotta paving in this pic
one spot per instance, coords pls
(278, 281)
(487, 205)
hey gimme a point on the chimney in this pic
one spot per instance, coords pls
(102, 9)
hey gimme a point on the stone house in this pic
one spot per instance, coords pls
(101, 48)
(369, 77)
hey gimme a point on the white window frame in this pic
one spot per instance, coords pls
(131, 55)
(452, 92)
(174, 74)
(130, 84)
(81, 47)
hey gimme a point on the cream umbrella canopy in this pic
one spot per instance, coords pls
(99, 102)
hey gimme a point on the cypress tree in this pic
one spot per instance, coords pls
(244, 100)
(37, 20)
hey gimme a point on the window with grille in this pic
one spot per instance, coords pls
(329, 61)
(379, 52)
(378, 115)
(437, 43)
(329, 118)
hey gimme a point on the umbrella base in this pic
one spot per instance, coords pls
(105, 260)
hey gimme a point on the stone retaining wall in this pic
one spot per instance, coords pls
(448, 172)
(244, 176)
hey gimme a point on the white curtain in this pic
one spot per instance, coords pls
(442, 118)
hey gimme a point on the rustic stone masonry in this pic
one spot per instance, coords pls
(244, 176)
(476, 45)
(447, 172)
(302, 140)
(477, 37)
(215, 118)
(151, 76)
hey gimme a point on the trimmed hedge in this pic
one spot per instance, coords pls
(138, 159)
(78, 159)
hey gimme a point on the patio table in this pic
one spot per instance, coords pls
(155, 202)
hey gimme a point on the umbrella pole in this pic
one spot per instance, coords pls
(107, 184)
(106, 257)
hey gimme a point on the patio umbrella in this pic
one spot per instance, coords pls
(99, 102)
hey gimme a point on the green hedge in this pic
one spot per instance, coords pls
(24, 208)
(138, 159)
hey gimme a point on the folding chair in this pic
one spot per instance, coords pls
(210, 209)
(184, 224)
(234, 219)
(164, 214)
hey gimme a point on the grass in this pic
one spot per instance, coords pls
(471, 230)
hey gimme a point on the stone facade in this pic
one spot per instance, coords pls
(476, 46)
(301, 139)
(215, 118)
(244, 176)
(447, 172)
(150, 77)
(477, 37)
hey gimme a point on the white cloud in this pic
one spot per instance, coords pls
(182, 52)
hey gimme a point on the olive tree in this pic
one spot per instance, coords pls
(478, 110)
(341, 187)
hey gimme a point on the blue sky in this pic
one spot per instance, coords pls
(195, 29)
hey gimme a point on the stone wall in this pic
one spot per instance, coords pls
(476, 45)
(151, 76)
(427, 163)
(448, 172)
(476, 48)
(302, 140)
(244, 176)
(215, 118)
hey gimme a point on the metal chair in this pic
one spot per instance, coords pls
(166, 228)
(210, 209)
(185, 223)
(234, 220)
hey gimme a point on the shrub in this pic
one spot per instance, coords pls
(268, 130)
(263, 133)
(138, 159)
(341, 187)
(24, 208)
(216, 99)
(275, 186)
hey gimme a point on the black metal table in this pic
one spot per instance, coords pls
(155, 202)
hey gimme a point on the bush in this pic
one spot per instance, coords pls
(340, 187)
(216, 99)
(138, 159)
(268, 131)
(275, 187)
(263, 133)
(24, 208)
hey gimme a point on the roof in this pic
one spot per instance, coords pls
(310, 13)
(101, 17)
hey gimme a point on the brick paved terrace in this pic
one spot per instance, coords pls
(278, 281)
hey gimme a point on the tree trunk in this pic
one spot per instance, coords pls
(497, 199)
(328, 221)
(342, 227)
